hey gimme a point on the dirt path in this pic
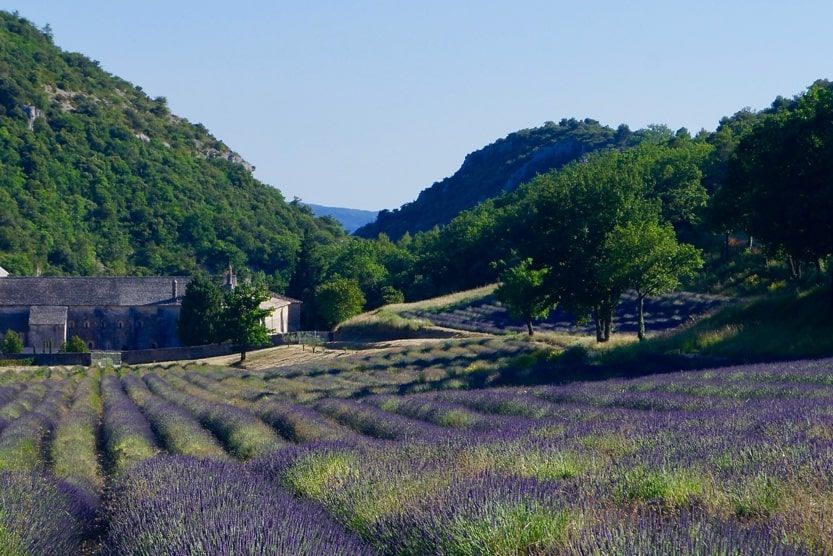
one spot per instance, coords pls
(295, 354)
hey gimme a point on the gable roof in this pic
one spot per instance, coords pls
(279, 300)
(46, 314)
(91, 291)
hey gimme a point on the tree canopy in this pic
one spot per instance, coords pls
(200, 318)
(780, 180)
(522, 291)
(243, 318)
(338, 300)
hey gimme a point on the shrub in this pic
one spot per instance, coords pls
(12, 343)
(75, 345)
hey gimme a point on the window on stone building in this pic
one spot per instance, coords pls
(86, 324)
(121, 324)
(91, 345)
(71, 324)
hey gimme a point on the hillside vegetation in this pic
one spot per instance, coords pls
(98, 178)
(496, 169)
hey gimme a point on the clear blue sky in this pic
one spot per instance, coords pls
(363, 104)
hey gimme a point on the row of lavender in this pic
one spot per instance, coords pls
(741, 458)
(53, 477)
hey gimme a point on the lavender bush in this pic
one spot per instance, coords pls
(127, 434)
(39, 516)
(186, 506)
(74, 450)
(243, 434)
(179, 431)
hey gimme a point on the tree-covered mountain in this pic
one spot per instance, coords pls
(351, 219)
(496, 169)
(98, 178)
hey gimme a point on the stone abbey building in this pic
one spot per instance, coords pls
(109, 312)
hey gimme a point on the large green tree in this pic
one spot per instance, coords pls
(780, 181)
(200, 318)
(570, 216)
(522, 291)
(645, 255)
(243, 318)
(338, 300)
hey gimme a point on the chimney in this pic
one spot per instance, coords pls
(174, 290)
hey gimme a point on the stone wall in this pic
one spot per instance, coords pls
(53, 359)
(125, 328)
(174, 354)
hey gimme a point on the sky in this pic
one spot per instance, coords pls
(362, 104)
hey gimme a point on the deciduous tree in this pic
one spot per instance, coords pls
(200, 319)
(522, 291)
(243, 318)
(646, 256)
(338, 300)
(780, 184)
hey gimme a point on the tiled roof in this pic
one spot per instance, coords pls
(46, 314)
(90, 291)
(280, 301)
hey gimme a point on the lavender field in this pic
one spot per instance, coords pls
(486, 314)
(385, 453)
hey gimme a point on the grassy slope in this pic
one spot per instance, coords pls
(388, 322)
(787, 325)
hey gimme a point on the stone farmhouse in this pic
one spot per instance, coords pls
(109, 312)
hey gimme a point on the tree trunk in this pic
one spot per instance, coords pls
(608, 327)
(603, 316)
(831, 291)
(751, 242)
(597, 321)
(242, 355)
(640, 312)
(795, 267)
(529, 327)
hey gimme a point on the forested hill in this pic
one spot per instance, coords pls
(98, 178)
(494, 169)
